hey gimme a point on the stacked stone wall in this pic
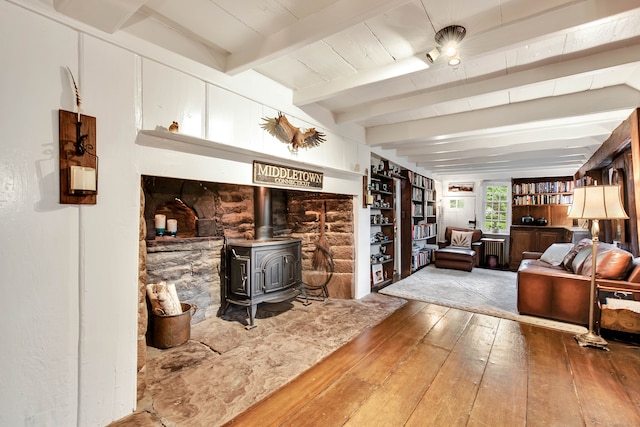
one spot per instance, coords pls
(304, 220)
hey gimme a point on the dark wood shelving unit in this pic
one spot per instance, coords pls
(383, 222)
(543, 197)
(418, 222)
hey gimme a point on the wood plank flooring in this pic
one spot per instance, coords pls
(427, 365)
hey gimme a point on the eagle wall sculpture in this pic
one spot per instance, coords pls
(289, 134)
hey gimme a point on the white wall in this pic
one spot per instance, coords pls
(68, 273)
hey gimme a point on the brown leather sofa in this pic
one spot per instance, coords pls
(450, 255)
(562, 292)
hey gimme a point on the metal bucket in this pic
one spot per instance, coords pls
(172, 331)
(492, 261)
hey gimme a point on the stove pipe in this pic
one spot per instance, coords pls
(263, 221)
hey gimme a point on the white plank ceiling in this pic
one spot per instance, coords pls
(541, 85)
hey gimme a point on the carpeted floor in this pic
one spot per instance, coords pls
(485, 291)
(223, 369)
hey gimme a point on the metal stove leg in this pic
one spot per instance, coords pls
(252, 309)
(303, 290)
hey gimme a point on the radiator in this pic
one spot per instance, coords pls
(494, 247)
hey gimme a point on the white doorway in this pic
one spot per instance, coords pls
(458, 211)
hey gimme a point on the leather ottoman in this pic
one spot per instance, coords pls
(455, 258)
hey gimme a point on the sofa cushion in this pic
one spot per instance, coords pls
(634, 268)
(541, 267)
(452, 252)
(578, 260)
(555, 253)
(612, 263)
(461, 239)
(568, 258)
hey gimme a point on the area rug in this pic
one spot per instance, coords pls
(485, 291)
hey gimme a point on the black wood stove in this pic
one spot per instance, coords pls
(266, 269)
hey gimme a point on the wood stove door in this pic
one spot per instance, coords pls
(278, 271)
(239, 276)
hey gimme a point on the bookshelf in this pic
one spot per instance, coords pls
(545, 197)
(548, 197)
(418, 222)
(383, 221)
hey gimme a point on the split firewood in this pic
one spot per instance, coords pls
(164, 299)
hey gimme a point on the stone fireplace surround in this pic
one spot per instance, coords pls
(226, 210)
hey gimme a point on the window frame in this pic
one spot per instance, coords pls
(485, 186)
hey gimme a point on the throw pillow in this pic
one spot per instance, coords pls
(555, 253)
(567, 262)
(461, 239)
(612, 264)
(576, 265)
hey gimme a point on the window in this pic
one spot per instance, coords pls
(496, 207)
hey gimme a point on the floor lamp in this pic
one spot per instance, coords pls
(595, 203)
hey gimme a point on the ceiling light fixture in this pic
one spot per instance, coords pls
(433, 54)
(448, 39)
(454, 61)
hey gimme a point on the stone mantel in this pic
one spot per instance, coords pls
(171, 244)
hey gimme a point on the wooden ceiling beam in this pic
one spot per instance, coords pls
(619, 141)
(105, 15)
(551, 156)
(608, 99)
(512, 151)
(568, 137)
(534, 74)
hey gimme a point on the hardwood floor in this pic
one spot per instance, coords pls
(428, 365)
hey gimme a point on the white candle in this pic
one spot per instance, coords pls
(160, 221)
(172, 225)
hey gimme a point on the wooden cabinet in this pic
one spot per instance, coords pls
(535, 239)
(383, 222)
(547, 197)
(418, 222)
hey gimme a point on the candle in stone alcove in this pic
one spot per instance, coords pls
(160, 221)
(172, 226)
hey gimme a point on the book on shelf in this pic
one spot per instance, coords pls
(422, 255)
(543, 199)
(378, 274)
(428, 183)
(416, 194)
(416, 180)
(543, 187)
(424, 230)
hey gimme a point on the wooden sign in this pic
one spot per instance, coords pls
(265, 173)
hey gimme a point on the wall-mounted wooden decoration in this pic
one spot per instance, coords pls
(78, 158)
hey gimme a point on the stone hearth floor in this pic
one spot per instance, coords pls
(224, 369)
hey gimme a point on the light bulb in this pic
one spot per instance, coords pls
(451, 50)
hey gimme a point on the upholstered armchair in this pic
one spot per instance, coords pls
(461, 249)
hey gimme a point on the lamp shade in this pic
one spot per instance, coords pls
(597, 202)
